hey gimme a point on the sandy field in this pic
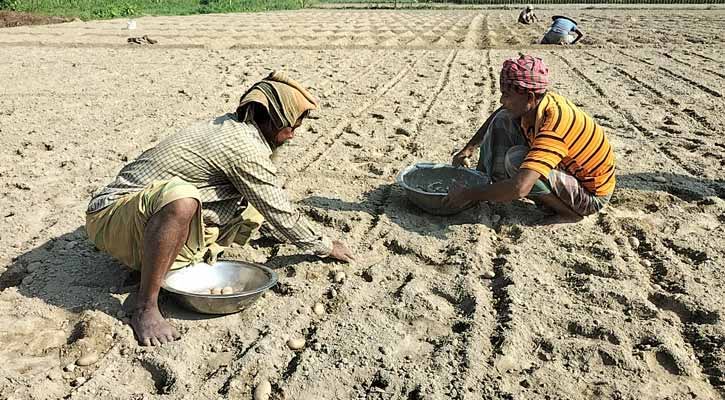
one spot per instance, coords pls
(486, 304)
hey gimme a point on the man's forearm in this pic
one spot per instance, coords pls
(320, 246)
(579, 35)
(302, 234)
(499, 192)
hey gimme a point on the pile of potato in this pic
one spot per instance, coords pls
(224, 290)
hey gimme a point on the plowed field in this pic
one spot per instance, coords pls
(574, 311)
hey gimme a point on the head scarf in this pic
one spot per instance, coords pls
(525, 74)
(284, 99)
(529, 7)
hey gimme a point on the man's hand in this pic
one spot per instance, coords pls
(341, 252)
(456, 196)
(462, 157)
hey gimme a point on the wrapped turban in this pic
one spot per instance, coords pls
(525, 74)
(284, 99)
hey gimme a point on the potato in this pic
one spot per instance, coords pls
(87, 359)
(296, 344)
(263, 390)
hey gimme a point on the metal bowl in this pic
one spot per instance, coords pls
(191, 286)
(426, 185)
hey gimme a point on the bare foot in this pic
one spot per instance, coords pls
(151, 328)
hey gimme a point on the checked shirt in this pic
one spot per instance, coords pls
(229, 163)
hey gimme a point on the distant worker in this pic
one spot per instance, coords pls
(539, 145)
(527, 16)
(560, 31)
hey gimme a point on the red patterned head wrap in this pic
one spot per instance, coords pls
(525, 74)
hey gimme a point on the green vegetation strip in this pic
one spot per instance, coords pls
(522, 2)
(100, 9)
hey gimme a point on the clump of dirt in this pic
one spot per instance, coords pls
(12, 18)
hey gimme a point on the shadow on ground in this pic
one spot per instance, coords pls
(390, 200)
(68, 272)
(685, 187)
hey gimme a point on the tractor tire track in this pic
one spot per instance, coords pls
(345, 122)
(698, 146)
(671, 102)
(694, 318)
(440, 85)
(631, 119)
(693, 83)
(704, 57)
(442, 82)
(688, 65)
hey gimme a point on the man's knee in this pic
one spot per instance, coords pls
(183, 209)
(252, 217)
(515, 156)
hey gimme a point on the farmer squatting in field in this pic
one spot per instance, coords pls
(539, 145)
(527, 15)
(201, 190)
(560, 31)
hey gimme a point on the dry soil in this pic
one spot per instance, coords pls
(572, 311)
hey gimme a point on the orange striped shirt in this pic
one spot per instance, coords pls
(567, 138)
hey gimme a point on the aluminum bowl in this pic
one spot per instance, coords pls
(191, 286)
(426, 185)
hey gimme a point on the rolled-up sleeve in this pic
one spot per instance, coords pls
(256, 179)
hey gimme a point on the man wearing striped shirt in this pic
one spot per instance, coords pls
(199, 191)
(540, 145)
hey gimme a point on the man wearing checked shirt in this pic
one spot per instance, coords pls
(201, 190)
